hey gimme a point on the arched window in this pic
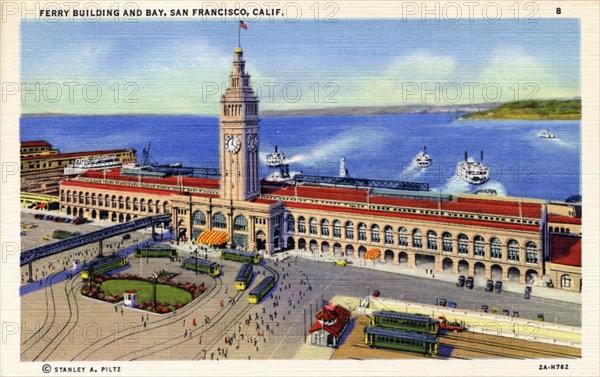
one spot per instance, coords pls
(388, 235)
(349, 230)
(301, 225)
(87, 198)
(496, 248)
(150, 205)
(417, 239)
(312, 224)
(325, 227)
(447, 242)
(337, 229)
(362, 232)
(219, 221)
(135, 204)
(402, 236)
(94, 199)
(431, 240)
(198, 218)
(531, 252)
(513, 250)
(479, 246)
(107, 200)
(127, 203)
(143, 205)
(100, 200)
(375, 233)
(113, 200)
(291, 224)
(463, 244)
(565, 281)
(240, 223)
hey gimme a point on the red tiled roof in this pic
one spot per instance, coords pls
(143, 190)
(447, 220)
(73, 154)
(564, 220)
(35, 143)
(472, 205)
(342, 315)
(115, 174)
(565, 250)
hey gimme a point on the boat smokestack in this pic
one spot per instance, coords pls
(465, 155)
(276, 149)
(425, 148)
(481, 155)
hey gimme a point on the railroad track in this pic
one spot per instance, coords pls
(165, 321)
(46, 326)
(73, 309)
(520, 347)
(240, 314)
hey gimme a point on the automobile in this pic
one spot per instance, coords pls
(23, 233)
(340, 262)
(540, 318)
(375, 293)
(451, 326)
(498, 286)
(489, 286)
(57, 219)
(80, 220)
(527, 294)
(461, 281)
(484, 308)
(126, 236)
(452, 305)
(443, 302)
(38, 216)
(470, 282)
(515, 314)
(506, 312)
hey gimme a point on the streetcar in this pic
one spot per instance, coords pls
(156, 252)
(242, 280)
(261, 290)
(402, 340)
(405, 321)
(103, 265)
(241, 256)
(202, 265)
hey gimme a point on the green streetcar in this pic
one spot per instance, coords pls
(156, 252)
(241, 256)
(202, 265)
(411, 341)
(242, 280)
(103, 265)
(405, 321)
(261, 290)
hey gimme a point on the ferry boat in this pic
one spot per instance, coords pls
(279, 167)
(547, 135)
(422, 159)
(474, 172)
(82, 165)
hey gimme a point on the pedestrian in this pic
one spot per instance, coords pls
(121, 310)
(115, 308)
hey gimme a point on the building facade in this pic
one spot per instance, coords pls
(499, 238)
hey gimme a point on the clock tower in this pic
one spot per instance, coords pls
(238, 135)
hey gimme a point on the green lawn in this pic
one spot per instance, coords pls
(164, 293)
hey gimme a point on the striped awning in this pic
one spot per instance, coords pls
(372, 253)
(212, 237)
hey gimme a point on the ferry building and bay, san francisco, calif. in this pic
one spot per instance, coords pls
(501, 238)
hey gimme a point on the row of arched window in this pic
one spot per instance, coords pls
(116, 202)
(417, 240)
(240, 223)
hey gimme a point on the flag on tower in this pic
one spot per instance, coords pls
(243, 25)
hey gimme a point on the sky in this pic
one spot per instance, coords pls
(180, 67)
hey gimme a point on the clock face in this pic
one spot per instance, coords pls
(232, 144)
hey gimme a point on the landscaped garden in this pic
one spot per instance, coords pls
(170, 295)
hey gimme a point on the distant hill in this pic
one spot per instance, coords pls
(532, 110)
(380, 110)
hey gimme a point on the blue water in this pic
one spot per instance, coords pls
(382, 147)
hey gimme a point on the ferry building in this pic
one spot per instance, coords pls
(500, 238)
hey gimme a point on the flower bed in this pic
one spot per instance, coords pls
(169, 296)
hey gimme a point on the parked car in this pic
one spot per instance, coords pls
(340, 263)
(484, 308)
(461, 281)
(443, 302)
(540, 317)
(452, 305)
(527, 294)
(489, 286)
(470, 282)
(375, 293)
(498, 286)
(126, 236)
(80, 220)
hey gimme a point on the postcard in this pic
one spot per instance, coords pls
(251, 188)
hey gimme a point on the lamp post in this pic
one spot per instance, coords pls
(196, 260)
(154, 277)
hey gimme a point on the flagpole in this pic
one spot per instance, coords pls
(239, 32)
